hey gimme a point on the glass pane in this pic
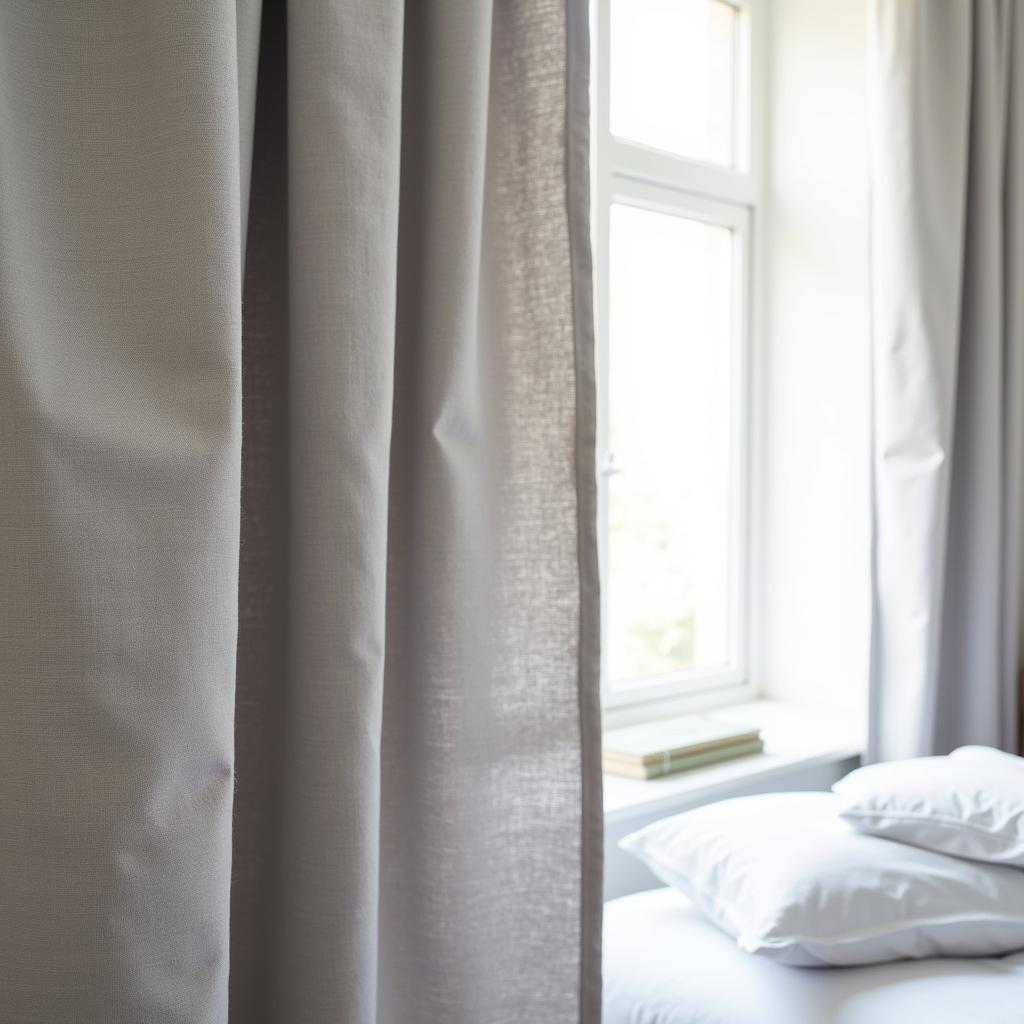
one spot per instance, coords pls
(670, 491)
(673, 76)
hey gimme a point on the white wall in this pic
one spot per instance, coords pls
(811, 501)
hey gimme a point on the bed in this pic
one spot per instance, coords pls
(664, 964)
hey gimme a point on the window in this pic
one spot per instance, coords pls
(673, 70)
(675, 207)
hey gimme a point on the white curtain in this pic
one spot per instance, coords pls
(947, 195)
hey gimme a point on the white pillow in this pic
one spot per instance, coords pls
(790, 881)
(997, 758)
(970, 804)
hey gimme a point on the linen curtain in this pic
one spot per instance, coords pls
(296, 375)
(947, 194)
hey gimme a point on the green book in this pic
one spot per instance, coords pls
(669, 765)
(673, 737)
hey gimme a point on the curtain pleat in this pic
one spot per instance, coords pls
(262, 667)
(947, 232)
(434, 742)
(344, 118)
(485, 599)
(121, 148)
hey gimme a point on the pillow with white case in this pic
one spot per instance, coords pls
(996, 758)
(790, 881)
(969, 804)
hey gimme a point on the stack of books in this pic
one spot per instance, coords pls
(675, 745)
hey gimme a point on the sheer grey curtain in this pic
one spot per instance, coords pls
(947, 178)
(295, 343)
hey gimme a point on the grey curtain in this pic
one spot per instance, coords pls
(296, 374)
(947, 180)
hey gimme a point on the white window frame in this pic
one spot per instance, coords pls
(637, 175)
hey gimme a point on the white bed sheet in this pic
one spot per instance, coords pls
(664, 964)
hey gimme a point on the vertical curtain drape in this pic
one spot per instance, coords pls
(947, 195)
(295, 342)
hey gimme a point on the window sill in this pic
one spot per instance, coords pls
(796, 738)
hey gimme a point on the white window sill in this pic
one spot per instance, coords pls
(795, 738)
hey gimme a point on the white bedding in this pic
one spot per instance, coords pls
(664, 964)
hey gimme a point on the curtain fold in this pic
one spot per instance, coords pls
(296, 343)
(947, 176)
(120, 325)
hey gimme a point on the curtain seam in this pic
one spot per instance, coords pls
(577, 128)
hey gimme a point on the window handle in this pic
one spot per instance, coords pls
(607, 467)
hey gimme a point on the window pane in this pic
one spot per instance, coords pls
(673, 76)
(670, 485)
